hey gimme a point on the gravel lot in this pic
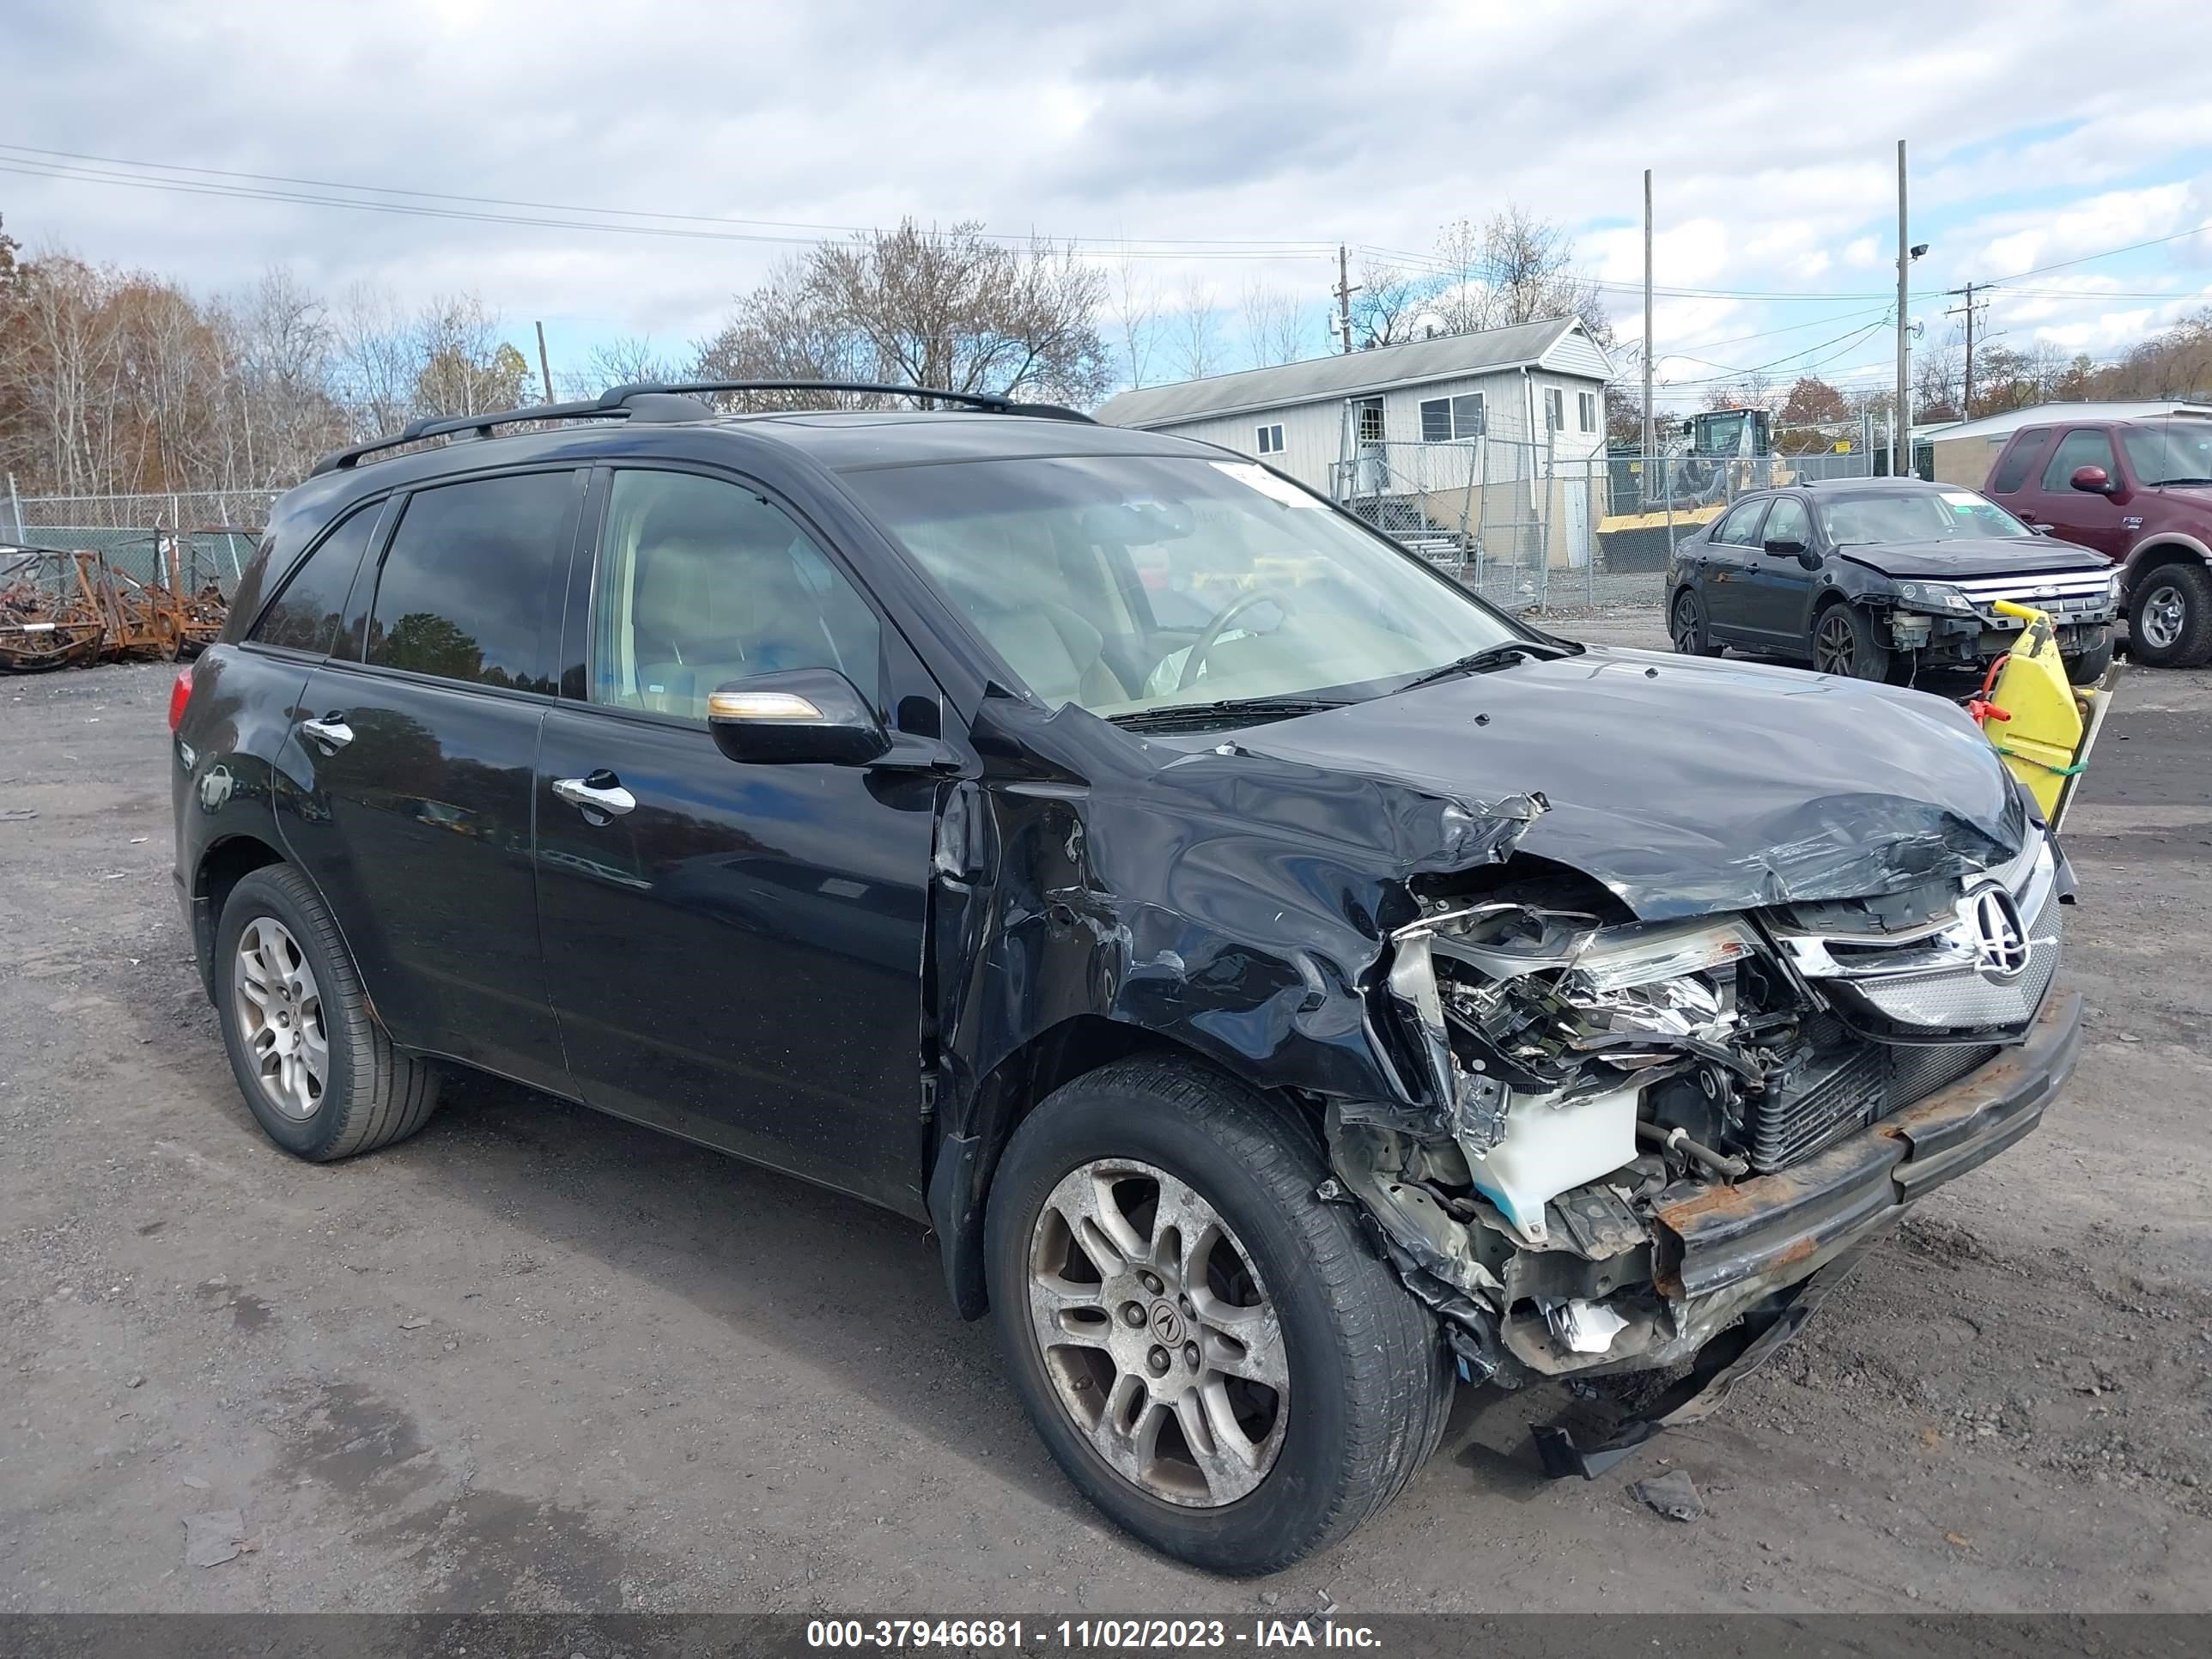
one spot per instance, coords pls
(536, 1358)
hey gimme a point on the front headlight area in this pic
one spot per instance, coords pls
(1584, 1067)
(1940, 598)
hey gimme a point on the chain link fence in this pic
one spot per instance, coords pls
(1531, 530)
(216, 531)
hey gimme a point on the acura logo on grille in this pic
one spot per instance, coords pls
(2001, 949)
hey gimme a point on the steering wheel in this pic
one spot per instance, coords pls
(1236, 608)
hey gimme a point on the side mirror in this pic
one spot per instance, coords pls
(801, 715)
(1789, 548)
(2094, 479)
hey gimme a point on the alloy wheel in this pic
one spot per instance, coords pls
(2162, 618)
(1685, 626)
(280, 1016)
(1157, 1333)
(1834, 644)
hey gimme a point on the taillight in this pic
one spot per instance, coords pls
(180, 695)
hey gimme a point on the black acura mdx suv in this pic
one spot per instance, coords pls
(1285, 986)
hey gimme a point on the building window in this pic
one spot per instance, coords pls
(1586, 412)
(1446, 419)
(1370, 421)
(1271, 439)
(1555, 408)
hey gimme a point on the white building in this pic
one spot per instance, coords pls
(1445, 435)
(1541, 382)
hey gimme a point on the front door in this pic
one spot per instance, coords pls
(734, 951)
(417, 760)
(1776, 587)
(2082, 516)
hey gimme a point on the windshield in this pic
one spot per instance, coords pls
(2173, 453)
(1915, 515)
(1134, 583)
(1718, 434)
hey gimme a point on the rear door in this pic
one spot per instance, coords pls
(2081, 516)
(1777, 588)
(415, 743)
(1729, 563)
(736, 952)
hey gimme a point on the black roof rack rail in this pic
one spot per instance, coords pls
(657, 400)
(989, 403)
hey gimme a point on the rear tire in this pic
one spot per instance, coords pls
(1685, 625)
(319, 1074)
(1366, 1380)
(2170, 618)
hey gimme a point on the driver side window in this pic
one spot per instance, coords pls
(700, 581)
(1736, 529)
(1787, 523)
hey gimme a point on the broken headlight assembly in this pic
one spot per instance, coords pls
(1544, 1031)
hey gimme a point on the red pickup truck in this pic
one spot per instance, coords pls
(2139, 492)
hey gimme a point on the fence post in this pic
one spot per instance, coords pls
(16, 503)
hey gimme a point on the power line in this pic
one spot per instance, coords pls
(69, 166)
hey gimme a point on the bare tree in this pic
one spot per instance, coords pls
(1463, 300)
(1528, 267)
(375, 361)
(1275, 326)
(1136, 312)
(625, 361)
(1389, 302)
(1196, 343)
(954, 308)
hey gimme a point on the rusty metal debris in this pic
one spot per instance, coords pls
(61, 608)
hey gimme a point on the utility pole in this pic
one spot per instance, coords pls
(545, 367)
(1899, 426)
(1345, 288)
(1650, 431)
(1966, 410)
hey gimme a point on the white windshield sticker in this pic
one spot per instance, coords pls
(1960, 498)
(1267, 483)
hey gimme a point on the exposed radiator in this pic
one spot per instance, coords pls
(1846, 1084)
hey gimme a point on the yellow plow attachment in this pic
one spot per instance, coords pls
(2044, 726)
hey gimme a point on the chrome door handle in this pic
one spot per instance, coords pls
(333, 732)
(611, 799)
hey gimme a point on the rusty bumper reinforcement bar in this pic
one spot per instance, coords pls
(1803, 1231)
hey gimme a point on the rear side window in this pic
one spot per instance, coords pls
(2078, 448)
(471, 585)
(305, 616)
(2013, 470)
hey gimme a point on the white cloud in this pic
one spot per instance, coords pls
(1774, 151)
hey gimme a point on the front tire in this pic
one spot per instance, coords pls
(2170, 618)
(1844, 643)
(1219, 1360)
(319, 1074)
(2089, 667)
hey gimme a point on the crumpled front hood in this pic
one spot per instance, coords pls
(1954, 560)
(1688, 786)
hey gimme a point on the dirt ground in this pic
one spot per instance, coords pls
(535, 1358)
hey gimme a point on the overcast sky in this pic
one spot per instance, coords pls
(2041, 132)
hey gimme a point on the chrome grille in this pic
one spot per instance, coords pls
(1961, 998)
(2067, 594)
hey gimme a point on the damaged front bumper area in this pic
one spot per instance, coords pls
(1661, 1134)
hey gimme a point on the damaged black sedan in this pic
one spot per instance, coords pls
(1287, 988)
